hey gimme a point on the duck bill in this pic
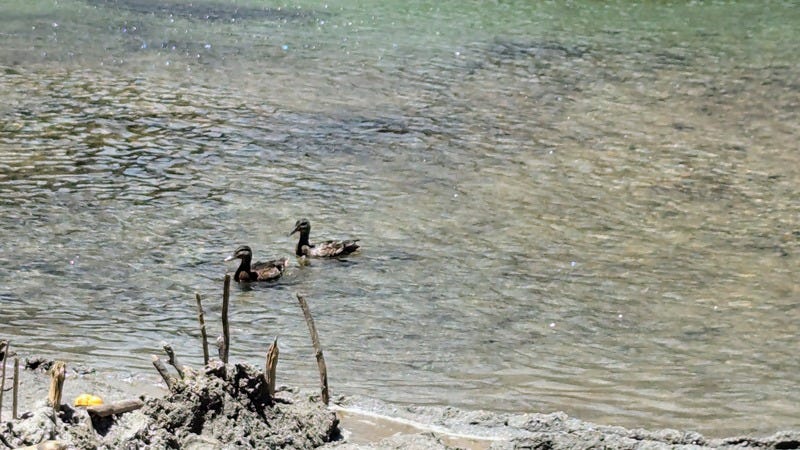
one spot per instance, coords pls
(296, 229)
(230, 258)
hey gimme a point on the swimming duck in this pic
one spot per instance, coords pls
(260, 271)
(326, 249)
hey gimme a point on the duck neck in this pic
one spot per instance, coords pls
(302, 242)
(244, 266)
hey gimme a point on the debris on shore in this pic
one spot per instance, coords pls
(218, 407)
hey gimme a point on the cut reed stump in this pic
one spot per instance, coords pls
(173, 360)
(226, 332)
(4, 345)
(57, 374)
(169, 380)
(221, 347)
(323, 371)
(202, 328)
(14, 398)
(271, 368)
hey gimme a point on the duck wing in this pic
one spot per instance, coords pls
(265, 264)
(269, 270)
(333, 248)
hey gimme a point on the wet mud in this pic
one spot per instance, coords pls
(221, 407)
(218, 407)
(445, 428)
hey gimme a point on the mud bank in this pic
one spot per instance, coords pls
(218, 407)
(434, 428)
(224, 407)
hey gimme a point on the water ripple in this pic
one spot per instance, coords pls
(603, 223)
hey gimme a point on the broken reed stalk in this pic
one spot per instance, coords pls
(173, 360)
(14, 398)
(57, 374)
(226, 332)
(119, 407)
(323, 371)
(4, 345)
(202, 328)
(221, 347)
(169, 380)
(271, 368)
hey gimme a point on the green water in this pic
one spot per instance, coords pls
(563, 205)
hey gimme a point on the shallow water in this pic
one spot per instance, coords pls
(582, 207)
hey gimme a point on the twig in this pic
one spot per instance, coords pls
(14, 409)
(226, 332)
(173, 360)
(169, 380)
(323, 371)
(7, 444)
(202, 328)
(4, 345)
(271, 367)
(57, 374)
(119, 407)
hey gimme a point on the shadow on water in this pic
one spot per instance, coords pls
(583, 209)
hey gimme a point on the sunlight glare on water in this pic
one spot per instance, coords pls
(563, 206)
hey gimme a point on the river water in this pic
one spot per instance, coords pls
(570, 206)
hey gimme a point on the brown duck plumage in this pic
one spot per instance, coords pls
(260, 271)
(325, 249)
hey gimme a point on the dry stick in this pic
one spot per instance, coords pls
(119, 407)
(226, 333)
(271, 367)
(4, 352)
(202, 328)
(16, 389)
(323, 371)
(57, 374)
(162, 370)
(5, 442)
(173, 360)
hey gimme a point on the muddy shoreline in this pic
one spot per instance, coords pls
(221, 407)
(447, 427)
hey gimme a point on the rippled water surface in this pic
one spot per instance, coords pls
(562, 205)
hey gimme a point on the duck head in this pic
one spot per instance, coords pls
(303, 226)
(244, 253)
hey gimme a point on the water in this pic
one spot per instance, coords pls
(580, 207)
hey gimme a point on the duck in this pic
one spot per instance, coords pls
(260, 271)
(325, 249)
